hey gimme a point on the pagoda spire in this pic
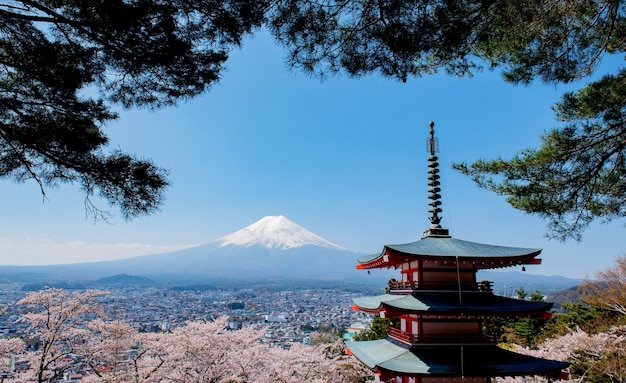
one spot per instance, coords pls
(432, 146)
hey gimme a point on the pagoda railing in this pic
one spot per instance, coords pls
(411, 339)
(486, 286)
(402, 336)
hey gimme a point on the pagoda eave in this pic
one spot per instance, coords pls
(470, 304)
(392, 259)
(385, 260)
(391, 312)
(483, 264)
(446, 249)
(395, 359)
(479, 262)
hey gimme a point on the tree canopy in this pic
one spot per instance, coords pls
(65, 64)
(72, 332)
(576, 175)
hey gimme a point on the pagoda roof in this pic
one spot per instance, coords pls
(447, 302)
(443, 247)
(450, 360)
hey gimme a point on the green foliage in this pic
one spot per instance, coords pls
(154, 53)
(495, 328)
(591, 319)
(576, 315)
(536, 297)
(523, 331)
(378, 329)
(521, 293)
(66, 63)
(553, 41)
(527, 329)
(575, 177)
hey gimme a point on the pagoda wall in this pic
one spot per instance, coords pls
(433, 329)
(414, 329)
(438, 274)
(434, 326)
(444, 278)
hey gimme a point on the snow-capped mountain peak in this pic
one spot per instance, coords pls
(275, 232)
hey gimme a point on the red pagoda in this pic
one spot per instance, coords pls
(441, 307)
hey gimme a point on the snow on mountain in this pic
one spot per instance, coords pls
(275, 232)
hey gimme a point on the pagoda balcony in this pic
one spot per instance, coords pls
(407, 287)
(415, 339)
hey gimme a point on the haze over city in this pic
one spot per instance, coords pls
(344, 158)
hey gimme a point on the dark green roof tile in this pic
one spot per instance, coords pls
(452, 247)
(448, 302)
(450, 361)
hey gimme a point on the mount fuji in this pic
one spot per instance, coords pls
(275, 232)
(273, 248)
(272, 251)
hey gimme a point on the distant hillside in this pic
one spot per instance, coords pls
(572, 295)
(505, 283)
(125, 279)
(56, 285)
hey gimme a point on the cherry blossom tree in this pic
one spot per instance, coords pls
(56, 319)
(324, 363)
(198, 352)
(8, 349)
(11, 346)
(116, 352)
(204, 352)
(207, 352)
(597, 357)
(109, 341)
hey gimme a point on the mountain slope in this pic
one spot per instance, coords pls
(273, 247)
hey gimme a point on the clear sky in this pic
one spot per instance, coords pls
(345, 158)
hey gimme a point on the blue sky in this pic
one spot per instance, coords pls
(345, 158)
